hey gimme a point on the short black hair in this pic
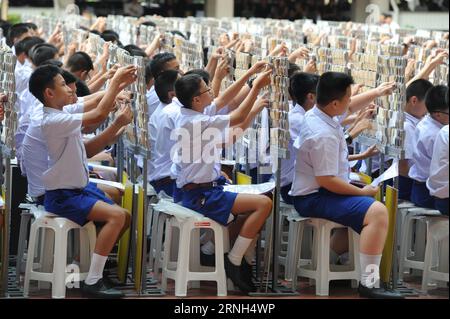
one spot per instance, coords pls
(164, 84)
(149, 24)
(95, 32)
(293, 68)
(57, 63)
(187, 87)
(25, 45)
(176, 32)
(203, 73)
(302, 84)
(332, 86)
(435, 99)
(41, 79)
(80, 61)
(134, 50)
(419, 89)
(41, 53)
(159, 62)
(5, 26)
(110, 36)
(82, 89)
(15, 31)
(148, 72)
(68, 77)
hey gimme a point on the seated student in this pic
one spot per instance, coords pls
(426, 134)
(199, 174)
(303, 92)
(415, 110)
(437, 183)
(68, 191)
(160, 163)
(321, 187)
(23, 66)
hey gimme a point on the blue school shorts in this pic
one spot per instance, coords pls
(441, 205)
(288, 199)
(75, 204)
(168, 188)
(213, 203)
(348, 211)
(420, 195)
(405, 187)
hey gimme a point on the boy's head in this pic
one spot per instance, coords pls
(193, 92)
(41, 53)
(24, 46)
(17, 32)
(80, 64)
(71, 82)
(415, 97)
(293, 69)
(163, 62)
(303, 89)
(437, 105)
(110, 36)
(334, 92)
(204, 74)
(134, 50)
(48, 86)
(165, 86)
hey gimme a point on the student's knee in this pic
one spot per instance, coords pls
(127, 219)
(265, 204)
(119, 218)
(378, 214)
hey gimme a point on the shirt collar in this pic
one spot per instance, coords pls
(52, 110)
(326, 118)
(434, 122)
(298, 108)
(414, 120)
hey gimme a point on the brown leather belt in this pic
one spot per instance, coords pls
(163, 181)
(190, 187)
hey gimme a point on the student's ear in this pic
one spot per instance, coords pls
(414, 100)
(48, 93)
(172, 94)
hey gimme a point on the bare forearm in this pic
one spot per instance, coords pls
(211, 67)
(91, 101)
(101, 141)
(338, 186)
(96, 85)
(100, 113)
(227, 96)
(240, 97)
(424, 74)
(239, 116)
(216, 84)
(362, 100)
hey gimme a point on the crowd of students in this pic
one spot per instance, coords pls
(61, 101)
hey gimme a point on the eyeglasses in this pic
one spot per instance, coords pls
(207, 91)
(446, 113)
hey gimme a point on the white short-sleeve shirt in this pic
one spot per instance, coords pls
(152, 101)
(437, 183)
(426, 133)
(411, 123)
(200, 139)
(296, 115)
(68, 161)
(321, 150)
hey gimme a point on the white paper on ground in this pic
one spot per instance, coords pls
(391, 173)
(107, 183)
(250, 189)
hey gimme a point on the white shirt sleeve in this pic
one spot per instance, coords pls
(75, 108)
(62, 124)
(323, 155)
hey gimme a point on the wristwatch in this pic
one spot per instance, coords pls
(348, 138)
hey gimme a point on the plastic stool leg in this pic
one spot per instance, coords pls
(183, 261)
(60, 264)
(30, 258)
(25, 219)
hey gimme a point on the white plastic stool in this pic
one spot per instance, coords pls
(295, 247)
(406, 253)
(187, 267)
(286, 211)
(25, 219)
(320, 270)
(58, 276)
(438, 233)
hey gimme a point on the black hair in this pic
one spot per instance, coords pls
(25, 45)
(419, 89)
(302, 84)
(159, 62)
(5, 26)
(332, 86)
(176, 32)
(134, 50)
(187, 87)
(110, 36)
(41, 53)
(164, 84)
(293, 68)
(204, 74)
(149, 24)
(387, 15)
(16, 31)
(80, 61)
(148, 72)
(57, 63)
(95, 32)
(68, 77)
(31, 26)
(435, 99)
(82, 89)
(41, 79)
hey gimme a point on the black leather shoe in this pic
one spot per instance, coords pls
(247, 274)
(235, 274)
(207, 260)
(100, 290)
(111, 282)
(111, 264)
(378, 293)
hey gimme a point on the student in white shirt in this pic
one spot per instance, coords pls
(415, 110)
(200, 177)
(23, 66)
(321, 187)
(68, 191)
(426, 134)
(437, 183)
(303, 92)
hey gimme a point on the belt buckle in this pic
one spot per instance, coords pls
(215, 184)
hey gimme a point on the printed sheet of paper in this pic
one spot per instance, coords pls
(391, 173)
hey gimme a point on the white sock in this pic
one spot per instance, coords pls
(208, 248)
(96, 270)
(370, 270)
(237, 252)
(251, 251)
(333, 257)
